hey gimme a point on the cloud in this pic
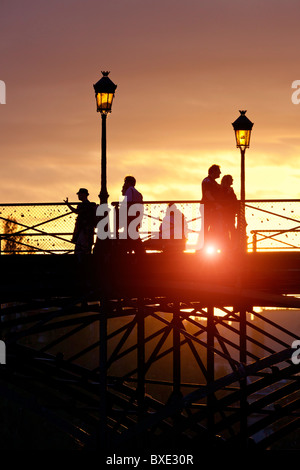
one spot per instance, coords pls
(183, 71)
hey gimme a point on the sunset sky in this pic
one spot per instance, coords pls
(184, 69)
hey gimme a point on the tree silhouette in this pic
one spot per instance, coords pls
(11, 242)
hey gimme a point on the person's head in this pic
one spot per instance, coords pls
(128, 182)
(227, 181)
(214, 171)
(82, 194)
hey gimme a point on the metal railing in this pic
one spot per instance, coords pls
(189, 220)
(46, 228)
(273, 224)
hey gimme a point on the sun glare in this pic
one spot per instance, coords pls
(212, 250)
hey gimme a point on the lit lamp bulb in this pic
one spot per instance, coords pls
(104, 91)
(242, 127)
(243, 140)
(104, 102)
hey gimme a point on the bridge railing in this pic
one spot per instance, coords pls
(188, 223)
(36, 228)
(46, 228)
(273, 224)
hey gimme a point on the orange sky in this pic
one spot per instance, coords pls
(183, 68)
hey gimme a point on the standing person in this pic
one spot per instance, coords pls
(230, 209)
(173, 229)
(129, 190)
(83, 235)
(211, 198)
(133, 196)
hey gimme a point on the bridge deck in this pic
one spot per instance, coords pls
(254, 278)
(120, 376)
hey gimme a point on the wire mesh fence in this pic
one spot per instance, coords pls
(36, 228)
(273, 224)
(188, 216)
(46, 228)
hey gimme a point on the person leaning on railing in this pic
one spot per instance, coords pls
(83, 235)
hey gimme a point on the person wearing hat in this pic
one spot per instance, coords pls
(83, 235)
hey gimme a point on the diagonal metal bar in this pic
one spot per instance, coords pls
(67, 335)
(274, 213)
(165, 332)
(272, 237)
(132, 348)
(249, 338)
(275, 325)
(121, 343)
(221, 338)
(42, 322)
(198, 358)
(27, 227)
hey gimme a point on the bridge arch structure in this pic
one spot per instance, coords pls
(159, 350)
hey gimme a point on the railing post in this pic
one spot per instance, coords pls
(254, 241)
(176, 352)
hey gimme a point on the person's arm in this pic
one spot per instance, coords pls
(73, 209)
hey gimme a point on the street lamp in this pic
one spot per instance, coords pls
(242, 127)
(104, 93)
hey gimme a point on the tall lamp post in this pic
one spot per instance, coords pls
(104, 92)
(242, 127)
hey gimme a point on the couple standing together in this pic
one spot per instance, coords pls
(220, 208)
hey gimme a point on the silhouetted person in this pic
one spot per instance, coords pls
(173, 229)
(129, 190)
(133, 196)
(83, 235)
(211, 197)
(230, 209)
